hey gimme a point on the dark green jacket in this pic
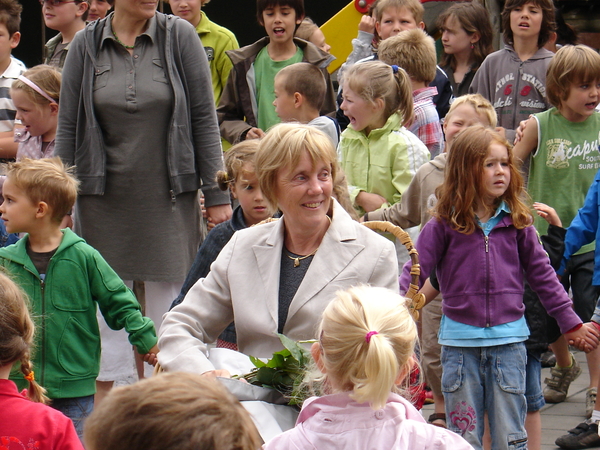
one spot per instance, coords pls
(67, 352)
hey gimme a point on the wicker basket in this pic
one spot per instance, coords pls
(415, 300)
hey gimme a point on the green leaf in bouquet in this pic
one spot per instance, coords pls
(257, 362)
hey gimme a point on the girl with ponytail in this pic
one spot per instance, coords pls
(364, 354)
(24, 417)
(378, 154)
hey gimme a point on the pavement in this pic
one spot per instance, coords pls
(559, 417)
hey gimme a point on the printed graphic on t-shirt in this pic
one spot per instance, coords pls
(561, 151)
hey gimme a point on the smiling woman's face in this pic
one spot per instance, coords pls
(304, 192)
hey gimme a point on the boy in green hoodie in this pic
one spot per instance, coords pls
(66, 280)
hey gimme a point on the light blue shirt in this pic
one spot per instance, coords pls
(456, 334)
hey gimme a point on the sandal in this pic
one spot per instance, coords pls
(436, 418)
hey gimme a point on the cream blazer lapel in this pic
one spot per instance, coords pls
(268, 263)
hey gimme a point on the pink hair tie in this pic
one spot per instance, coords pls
(368, 336)
(36, 88)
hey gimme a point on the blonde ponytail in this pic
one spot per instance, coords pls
(368, 338)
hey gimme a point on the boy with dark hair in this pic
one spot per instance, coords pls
(246, 108)
(299, 93)
(10, 69)
(67, 18)
(66, 280)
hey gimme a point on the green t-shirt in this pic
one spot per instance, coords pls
(265, 70)
(564, 166)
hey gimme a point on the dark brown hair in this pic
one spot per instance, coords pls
(10, 15)
(297, 5)
(546, 28)
(474, 19)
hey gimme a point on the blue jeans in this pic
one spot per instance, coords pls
(77, 409)
(492, 379)
(533, 382)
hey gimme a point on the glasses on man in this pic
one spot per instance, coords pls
(57, 2)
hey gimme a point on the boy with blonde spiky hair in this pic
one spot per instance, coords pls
(66, 280)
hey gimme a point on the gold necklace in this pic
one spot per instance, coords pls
(297, 259)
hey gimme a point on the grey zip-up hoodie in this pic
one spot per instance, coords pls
(516, 88)
(194, 146)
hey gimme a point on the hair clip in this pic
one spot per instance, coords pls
(371, 333)
(395, 68)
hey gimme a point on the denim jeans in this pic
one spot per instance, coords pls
(492, 379)
(533, 382)
(77, 409)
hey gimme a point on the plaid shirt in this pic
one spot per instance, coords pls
(426, 124)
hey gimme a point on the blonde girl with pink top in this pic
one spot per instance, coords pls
(364, 353)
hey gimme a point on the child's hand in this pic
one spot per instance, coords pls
(548, 213)
(255, 133)
(150, 357)
(369, 202)
(585, 338)
(521, 129)
(367, 24)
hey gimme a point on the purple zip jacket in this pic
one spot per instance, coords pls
(481, 277)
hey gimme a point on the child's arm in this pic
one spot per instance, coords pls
(585, 338)
(231, 118)
(584, 227)
(8, 146)
(369, 201)
(543, 280)
(118, 305)
(406, 213)
(528, 142)
(548, 213)
(361, 45)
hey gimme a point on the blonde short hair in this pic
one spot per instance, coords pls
(368, 338)
(181, 411)
(414, 51)
(46, 180)
(570, 65)
(46, 77)
(480, 104)
(282, 147)
(413, 6)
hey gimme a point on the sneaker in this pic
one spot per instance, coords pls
(590, 401)
(557, 387)
(584, 435)
(548, 359)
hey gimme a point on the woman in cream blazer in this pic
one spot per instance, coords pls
(295, 166)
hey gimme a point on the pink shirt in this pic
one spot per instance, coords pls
(336, 421)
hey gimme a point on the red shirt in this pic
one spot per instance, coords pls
(31, 425)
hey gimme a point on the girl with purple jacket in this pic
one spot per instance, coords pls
(483, 246)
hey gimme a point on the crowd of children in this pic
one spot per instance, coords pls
(485, 153)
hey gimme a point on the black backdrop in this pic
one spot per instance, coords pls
(237, 15)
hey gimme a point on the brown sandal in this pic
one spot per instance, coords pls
(435, 417)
